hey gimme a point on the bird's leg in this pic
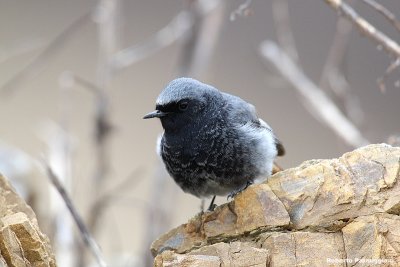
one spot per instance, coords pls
(237, 191)
(210, 208)
(202, 205)
(212, 205)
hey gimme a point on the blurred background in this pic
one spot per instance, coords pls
(76, 78)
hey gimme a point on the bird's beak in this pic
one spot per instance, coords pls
(155, 114)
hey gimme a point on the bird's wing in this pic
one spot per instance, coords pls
(239, 111)
(242, 112)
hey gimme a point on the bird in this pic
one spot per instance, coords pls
(213, 142)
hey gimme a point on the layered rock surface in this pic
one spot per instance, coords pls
(338, 212)
(21, 241)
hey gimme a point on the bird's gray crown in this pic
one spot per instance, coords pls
(182, 88)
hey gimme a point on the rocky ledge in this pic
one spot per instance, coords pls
(337, 212)
(21, 241)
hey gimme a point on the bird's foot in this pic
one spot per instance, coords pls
(237, 191)
(210, 208)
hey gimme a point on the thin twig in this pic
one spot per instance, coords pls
(125, 184)
(21, 48)
(337, 53)
(87, 237)
(322, 107)
(103, 125)
(104, 199)
(365, 27)
(106, 16)
(49, 52)
(333, 77)
(107, 13)
(242, 10)
(175, 30)
(284, 33)
(199, 44)
(87, 84)
(69, 79)
(382, 80)
(172, 32)
(385, 12)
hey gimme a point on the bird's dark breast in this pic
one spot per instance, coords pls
(212, 162)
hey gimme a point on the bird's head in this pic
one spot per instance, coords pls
(183, 102)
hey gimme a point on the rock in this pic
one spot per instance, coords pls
(327, 193)
(228, 221)
(303, 248)
(220, 254)
(375, 237)
(169, 258)
(338, 212)
(21, 241)
(263, 203)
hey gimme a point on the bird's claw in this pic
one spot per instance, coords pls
(232, 194)
(212, 207)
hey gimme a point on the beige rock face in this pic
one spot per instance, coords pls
(219, 254)
(21, 241)
(322, 194)
(339, 212)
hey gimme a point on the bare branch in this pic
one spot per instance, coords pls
(104, 199)
(21, 48)
(87, 237)
(69, 79)
(125, 184)
(106, 17)
(172, 32)
(365, 27)
(199, 43)
(107, 14)
(322, 107)
(175, 30)
(242, 10)
(103, 125)
(332, 76)
(284, 33)
(49, 52)
(393, 20)
(336, 53)
(385, 12)
(381, 81)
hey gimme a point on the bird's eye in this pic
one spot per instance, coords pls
(183, 105)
